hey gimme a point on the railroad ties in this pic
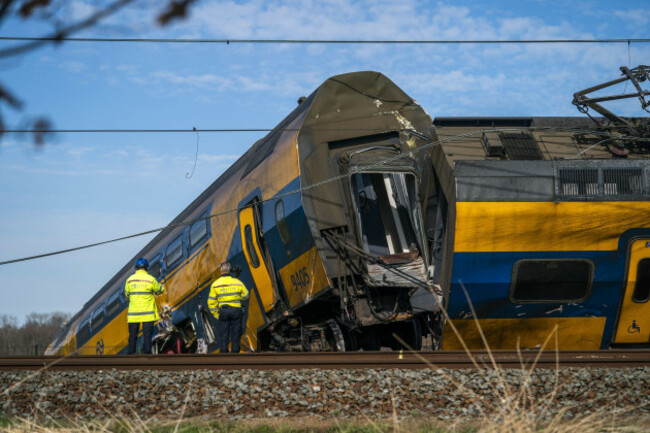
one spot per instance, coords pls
(336, 360)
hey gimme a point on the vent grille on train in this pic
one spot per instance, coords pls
(575, 182)
(602, 182)
(520, 146)
(617, 181)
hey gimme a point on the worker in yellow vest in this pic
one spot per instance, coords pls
(139, 290)
(225, 303)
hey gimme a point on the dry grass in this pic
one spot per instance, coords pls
(518, 410)
(592, 424)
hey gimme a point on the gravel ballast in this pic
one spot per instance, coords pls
(444, 394)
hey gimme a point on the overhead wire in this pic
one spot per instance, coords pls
(219, 130)
(228, 41)
(163, 131)
(87, 22)
(102, 131)
(301, 190)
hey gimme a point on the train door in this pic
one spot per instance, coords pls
(250, 229)
(634, 318)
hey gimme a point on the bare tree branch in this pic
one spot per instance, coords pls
(28, 7)
(66, 31)
(10, 99)
(4, 8)
(41, 127)
(177, 9)
(33, 337)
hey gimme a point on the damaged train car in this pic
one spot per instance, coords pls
(325, 218)
(361, 223)
(541, 236)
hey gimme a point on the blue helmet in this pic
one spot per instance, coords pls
(141, 263)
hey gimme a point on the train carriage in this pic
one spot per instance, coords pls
(546, 236)
(342, 170)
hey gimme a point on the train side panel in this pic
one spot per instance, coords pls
(491, 238)
(542, 248)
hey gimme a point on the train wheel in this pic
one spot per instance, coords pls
(351, 340)
(335, 336)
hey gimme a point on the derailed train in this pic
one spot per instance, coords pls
(359, 223)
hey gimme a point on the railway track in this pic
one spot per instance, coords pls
(350, 360)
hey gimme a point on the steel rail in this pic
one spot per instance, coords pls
(332, 360)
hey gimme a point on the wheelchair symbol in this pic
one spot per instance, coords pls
(99, 348)
(633, 328)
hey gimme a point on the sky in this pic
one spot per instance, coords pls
(82, 188)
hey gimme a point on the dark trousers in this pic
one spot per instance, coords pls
(230, 328)
(147, 333)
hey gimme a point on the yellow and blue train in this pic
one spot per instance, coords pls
(360, 223)
(545, 234)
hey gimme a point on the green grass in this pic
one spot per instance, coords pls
(5, 421)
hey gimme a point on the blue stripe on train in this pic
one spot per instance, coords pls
(486, 277)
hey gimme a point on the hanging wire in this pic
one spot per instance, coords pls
(629, 63)
(196, 157)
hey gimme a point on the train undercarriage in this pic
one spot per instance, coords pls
(321, 326)
(421, 333)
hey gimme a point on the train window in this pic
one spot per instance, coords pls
(83, 332)
(281, 223)
(98, 318)
(386, 210)
(155, 266)
(114, 303)
(642, 285)
(252, 254)
(174, 252)
(551, 280)
(199, 230)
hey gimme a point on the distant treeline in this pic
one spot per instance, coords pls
(33, 337)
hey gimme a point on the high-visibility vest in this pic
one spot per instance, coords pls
(140, 289)
(226, 290)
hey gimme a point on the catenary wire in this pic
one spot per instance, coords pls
(301, 190)
(107, 131)
(193, 130)
(235, 130)
(327, 41)
(29, 131)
